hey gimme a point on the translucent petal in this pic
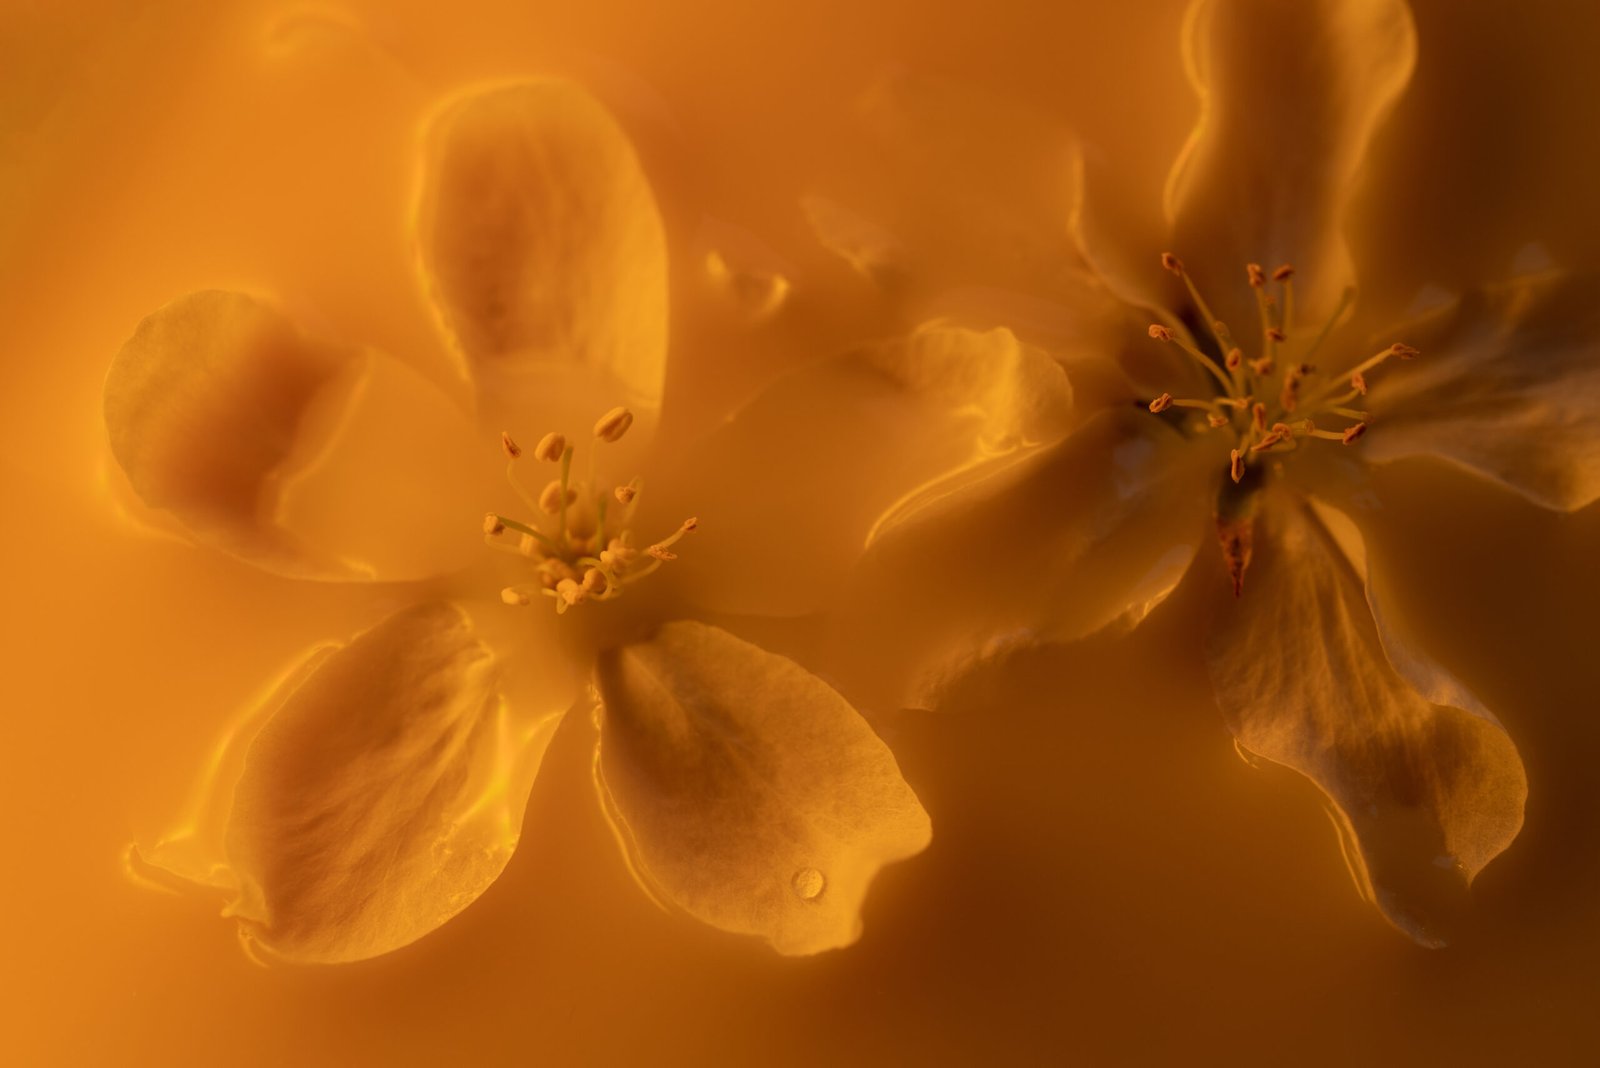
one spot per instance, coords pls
(1426, 786)
(375, 793)
(789, 488)
(745, 791)
(1508, 386)
(1291, 95)
(301, 457)
(541, 243)
(1051, 546)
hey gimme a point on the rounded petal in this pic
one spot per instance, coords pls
(789, 488)
(373, 794)
(1053, 546)
(304, 458)
(540, 242)
(745, 791)
(1291, 95)
(1427, 788)
(1508, 386)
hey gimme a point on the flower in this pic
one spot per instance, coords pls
(377, 787)
(1252, 409)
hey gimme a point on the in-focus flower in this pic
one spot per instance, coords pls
(378, 786)
(1242, 418)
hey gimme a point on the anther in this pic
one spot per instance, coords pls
(661, 552)
(1358, 382)
(1258, 416)
(594, 581)
(512, 449)
(550, 447)
(613, 424)
(571, 592)
(1263, 366)
(515, 597)
(1289, 396)
(492, 525)
(527, 545)
(1274, 334)
(1405, 352)
(1257, 276)
(692, 523)
(1351, 433)
(1161, 403)
(1234, 359)
(1159, 332)
(626, 494)
(1216, 422)
(1236, 465)
(1283, 274)
(1172, 263)
(554, 497)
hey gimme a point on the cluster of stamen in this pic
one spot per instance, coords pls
(1271, 402)
(582, 549)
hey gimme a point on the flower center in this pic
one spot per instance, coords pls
(1275, 401)
(582, 549)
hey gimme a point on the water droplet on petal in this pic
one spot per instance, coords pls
(808, 883)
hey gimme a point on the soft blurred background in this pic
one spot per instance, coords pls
(1108, 883)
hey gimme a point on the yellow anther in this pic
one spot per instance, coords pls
(527, 545)
(515, 596)
(1358, 382)
(661, 552)
(1283, 274)
(626, 494)
(594, 581)
(1159, 332)
(554, 497)
(550, 447)
(1236, 465)
(1172, 263)
(1351, 433)
(512, 449)
(492, 525)
(1161, 403)
(1257, 276)
(614, 424)
(571, 592)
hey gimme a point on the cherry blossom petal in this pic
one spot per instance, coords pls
(745, 791)
(375, 793)
(1051, 547)
(541, 243)
(788, 489)
(302, 457)
(1425, 784)
(1290, 94)
(1508, 386)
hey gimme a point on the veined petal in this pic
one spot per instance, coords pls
(540, 241)
(1054, 546)
(1291, 94)
(788, 489)
(745, 791)
(1508, 386)
(1426, 786)
(377, 792)
(305, 458)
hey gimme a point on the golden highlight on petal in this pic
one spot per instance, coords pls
(375, 794)
(1427, 786)
(540, 240)
(745, 791)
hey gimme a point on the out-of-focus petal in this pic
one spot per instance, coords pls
(541, 243)
(304, 458)
(377, 792)
(1291, 94)
(1508, 386)
(1426, 786)
(745, 791)
(788, 489)
(1094, 530)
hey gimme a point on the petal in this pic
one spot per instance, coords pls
(1426, 785)
(1054, 546)
(373, 795)
(788, 489)
(1508, 386)
(540, 241)
(745, 791)
(1290, 96)
(304, 458)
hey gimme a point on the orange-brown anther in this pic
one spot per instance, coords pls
(1289, 396)
(1172, 263)
(1216, 422)
(1161, 403)
(1405, 352)
(1258, 277)
(1234, 358)
(1358, 382)
(692, 523)
(1351, 433)
(626, 494)
(1159, 332)
(1279, 433)
(512, 449)
(492, 525)
(1236, 465)
(1283, 274)
(1274, 334)
(1258, 416)
(1263, 366)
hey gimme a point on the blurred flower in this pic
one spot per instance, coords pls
(378, 787)
(1263, 392)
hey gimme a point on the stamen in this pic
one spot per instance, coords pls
(1258, 417)
(626, 494)
(555, 497)
(1263, 367)
(1358, 383)
(550, 447)
(1351, 433)
(1283, 274)
(1217, 422)
(512, 449)
(492, 525)
(1218, 329)
(1172, 263)
(1257, 276)
(612, 425)
(1289, 396)
(1162, 333)
(1236, 465)
(1161, 403)
(516, 596)
(1234, 358)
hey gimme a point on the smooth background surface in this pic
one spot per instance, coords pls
(1108, 881)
